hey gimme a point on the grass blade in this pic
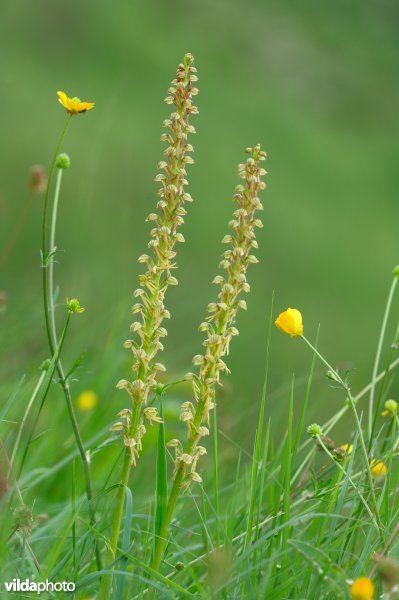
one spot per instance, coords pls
(161, 477)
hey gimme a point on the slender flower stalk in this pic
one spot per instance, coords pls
(336, 377)
(24, 420)
(219, 329)
(371, 419)
(322, 445)
(62, 162)
(154, 283)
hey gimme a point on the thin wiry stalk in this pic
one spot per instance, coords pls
(379, 350)
(353, 484)
(45, 257)
(49, 311)
(352, 403)
(24, 419)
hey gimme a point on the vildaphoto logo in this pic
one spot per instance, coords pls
(26, 585)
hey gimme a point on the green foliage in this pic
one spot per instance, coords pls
(271, 514)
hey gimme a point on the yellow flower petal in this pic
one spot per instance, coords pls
(83, 106)
(378, 468)
(62, 98)
(290, 322)
(362, 589)
(347, 448)
(73, 105)
(87, 400)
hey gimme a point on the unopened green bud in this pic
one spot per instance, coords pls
(45, 365)
(391, 406)
(159, 389)
(63, 161)
(314, 430)
(395, 272)
(73, 306)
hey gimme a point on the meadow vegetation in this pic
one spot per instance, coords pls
(145, 507)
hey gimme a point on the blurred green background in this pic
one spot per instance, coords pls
(316, 83)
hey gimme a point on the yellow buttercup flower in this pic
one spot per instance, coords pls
(73, 105)
(290, 321)
(87, 400)
(362, 589)
(378, 468)
(347, 448)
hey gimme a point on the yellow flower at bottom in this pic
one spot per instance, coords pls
(87, 400)
(362, 589)
(73, 105)
(290, 321)
(378, 468)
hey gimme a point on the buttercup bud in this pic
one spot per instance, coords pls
(391, 407)
(63, 161)
(314, 430)
(290, 322)
(74, 306)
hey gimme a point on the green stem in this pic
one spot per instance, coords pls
(379, 351)
(216, 473)
(340, 467)
(44, 230)
(106, 581)
(24, 419)
(360, 432)
(49, 311)
(53, 249)
(382, 386)
(160, 543)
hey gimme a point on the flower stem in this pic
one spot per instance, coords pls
(106, 581)
(379, 351)
(160, 542)
(340, 467)
(49, 312)
(360, 432)
(53, 250)
(44, 230)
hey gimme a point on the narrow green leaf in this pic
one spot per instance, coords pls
(257, 455)
(11, 400)
(120, 579)
(161, 477)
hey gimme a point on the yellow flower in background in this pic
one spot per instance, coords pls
(73, 105)
(378, 468)
(290, 321)
(362, 589)
(87, 400)
(347, 448)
